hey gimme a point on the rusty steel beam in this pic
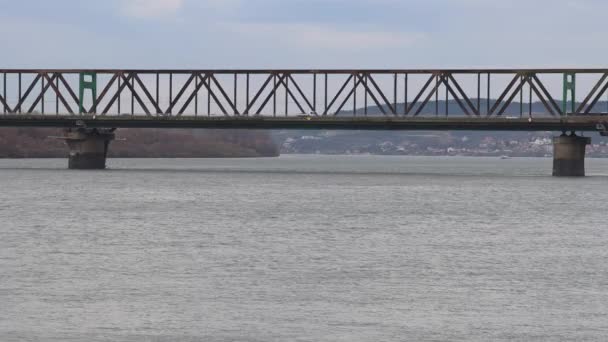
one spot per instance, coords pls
(312, 71)
(227, 96)
(579, 123)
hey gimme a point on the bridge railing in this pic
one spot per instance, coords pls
(402, 93)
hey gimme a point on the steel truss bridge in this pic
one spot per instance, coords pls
(327, 99)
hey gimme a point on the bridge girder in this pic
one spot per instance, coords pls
(276, 93)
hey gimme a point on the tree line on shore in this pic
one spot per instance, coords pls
(144, 143)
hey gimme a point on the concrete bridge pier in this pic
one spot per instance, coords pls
(569, 155)
(88, 147)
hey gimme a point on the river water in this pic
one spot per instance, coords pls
(303, 248)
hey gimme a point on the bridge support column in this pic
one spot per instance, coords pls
(88, 147)
(569, 155)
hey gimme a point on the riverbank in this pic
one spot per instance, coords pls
(144, 143)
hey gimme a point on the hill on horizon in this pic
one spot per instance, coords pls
(514, 108)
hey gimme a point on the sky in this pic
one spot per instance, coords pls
(303, 33)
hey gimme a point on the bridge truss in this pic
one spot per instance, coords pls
(323, 93)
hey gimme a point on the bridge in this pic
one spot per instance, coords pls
(91, 104)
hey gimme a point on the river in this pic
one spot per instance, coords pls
(303, 248)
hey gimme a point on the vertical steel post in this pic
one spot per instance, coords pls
(405, 103)
(326, 109)
(236, 79)
(488, 96)
(132, 96)
(530, 100)
(42, 90)
(447, 107)
(395, 86)
(569, 89)
(479, 93)
(57, 96)
(196, 80)
(88, 84)
(4, 92)
(521, 100)
(355, 96)
(314, 93)
(20, 92)
(247, 95)
(208, 97)
(170, 92)
(366, 95)
(158, 90)
(286, 95)
(274, 95)
(118, 103)
(437, 95)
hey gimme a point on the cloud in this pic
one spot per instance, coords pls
(311, 33)
(151, 8)
(315, 36)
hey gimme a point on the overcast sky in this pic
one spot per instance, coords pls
(303, 33)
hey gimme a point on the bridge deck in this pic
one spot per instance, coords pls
(578, 123)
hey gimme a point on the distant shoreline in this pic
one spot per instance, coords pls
(313, 154)
(305, 154)
(23, 143)
(111, 157)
